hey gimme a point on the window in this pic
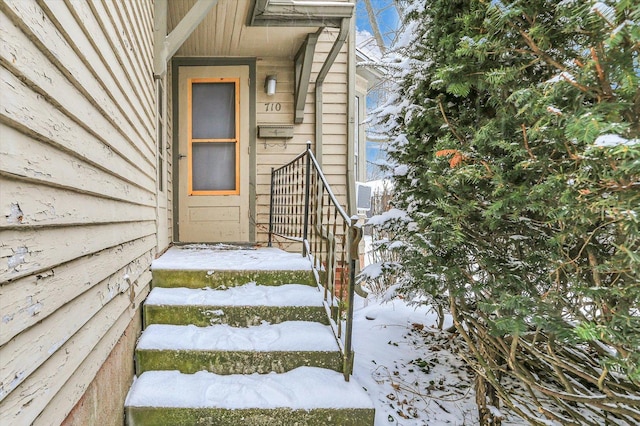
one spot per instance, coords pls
(213, 137)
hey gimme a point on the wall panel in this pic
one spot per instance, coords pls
(78, 189)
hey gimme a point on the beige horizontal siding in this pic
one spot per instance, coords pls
(75, 315)
(62, 379)
(78, 183)
(56, 412)
(31, 159)
(54, 206)
(33, 298)
(86, 38)
(118, 30)
(274, 152)
(94, 103)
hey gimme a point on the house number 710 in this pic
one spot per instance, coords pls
(272, 106)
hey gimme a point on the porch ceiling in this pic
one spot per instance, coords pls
(224, 31)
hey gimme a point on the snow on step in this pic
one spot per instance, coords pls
(230, 258)
(286, 336)
(247, 295)
(303, 388)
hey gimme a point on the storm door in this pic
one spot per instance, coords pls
(213, 160)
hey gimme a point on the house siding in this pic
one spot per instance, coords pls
(102, 403)
(79, 207)
(82, 217)
(275, 153)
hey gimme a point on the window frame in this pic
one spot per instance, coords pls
(191, 140)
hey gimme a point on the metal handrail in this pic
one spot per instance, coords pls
(304, 208)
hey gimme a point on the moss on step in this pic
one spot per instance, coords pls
(236, 316)
(220, 278)
(234, 362)
(145, 416)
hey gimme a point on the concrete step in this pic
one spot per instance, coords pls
(304, 396)
(218, 349)
(197, 266)
(224, 349)
(241, 306)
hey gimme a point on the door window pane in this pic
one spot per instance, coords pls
(213, 111)
(214, 166)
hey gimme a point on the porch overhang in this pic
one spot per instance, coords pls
(166, 45)
(299, 13)
(212, 28)
(303, 13)
(231, 27)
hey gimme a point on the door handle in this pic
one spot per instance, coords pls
(181, 156)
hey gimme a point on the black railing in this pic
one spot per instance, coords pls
(303, 208)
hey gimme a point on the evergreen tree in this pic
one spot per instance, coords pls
(518, 152)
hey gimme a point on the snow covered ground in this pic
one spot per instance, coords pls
(408, 368)
(406, 364)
